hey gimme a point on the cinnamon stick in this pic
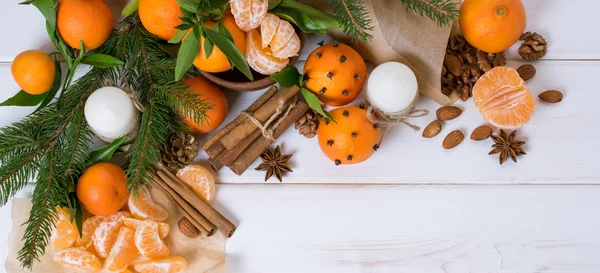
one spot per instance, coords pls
(183, 211)
(200, 205)
(229, 156)
(187, 207)
(257, 147)
(210, 145)
(262, 114)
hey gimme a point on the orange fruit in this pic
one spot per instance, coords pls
(65, 233)
(492, 25)
(106, 233)
(142, 207)
(87, 20)
(123, 251)
(148, 241)
(200, 180)
(163, 228)
(352, 140)
(262, 59)
(335, 73)
(502, 98)
(87, 231)
(249, 13)
(79, 258)
(34, 71)
(169, 265)
(280, 36)
(212, 94)
(217, 61)
(102, 189)
(160, 17)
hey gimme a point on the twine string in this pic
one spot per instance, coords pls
(376, 116)
(280, 114)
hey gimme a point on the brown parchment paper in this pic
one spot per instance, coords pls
(403, 36)
(204, 255)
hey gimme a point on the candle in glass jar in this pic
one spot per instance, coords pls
(110, 112)
(392, 87)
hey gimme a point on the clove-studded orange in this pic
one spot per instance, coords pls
(336, 73)
(352, 140)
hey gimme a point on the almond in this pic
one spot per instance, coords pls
(187, 228)
(526, 71)
(433, 129)
(453, 139)
(482, 132)
(454, 64)
(448, 112)
(551, 96)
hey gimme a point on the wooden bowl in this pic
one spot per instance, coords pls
(235, 80)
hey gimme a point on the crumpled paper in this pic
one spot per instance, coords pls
(403, 36)
(203, 255)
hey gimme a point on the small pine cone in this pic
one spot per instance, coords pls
(180, 151)
(534, 46)
(487, 61)
(308, 124)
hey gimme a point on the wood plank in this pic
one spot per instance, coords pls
(561, 141)
(558, 20)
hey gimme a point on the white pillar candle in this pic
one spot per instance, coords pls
(392, 87)
(111, 114)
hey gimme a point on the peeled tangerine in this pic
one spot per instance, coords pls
(248, 13)
(66, 233)
(79, 258)
(502, 98)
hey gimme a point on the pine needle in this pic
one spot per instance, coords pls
(443, 12)
(353, 18)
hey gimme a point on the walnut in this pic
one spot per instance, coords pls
(534, 46)
(487, 61)
(308, 124)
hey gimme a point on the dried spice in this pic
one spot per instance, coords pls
(180, 151)
(274, 163)
(526, 71)
(534, 46)
(507, 146)
(551, 96)
(308, 124)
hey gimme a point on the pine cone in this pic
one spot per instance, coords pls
(308, 124)
(534, 46)
(180, 151)
(487, 61)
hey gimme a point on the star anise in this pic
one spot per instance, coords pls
(274, 163)
(507, 146)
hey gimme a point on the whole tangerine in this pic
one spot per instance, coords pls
(34, 71)
(217, 61)
(90, 21)
(353, 139)
(492, 25)
(160, 17)
(212, 94)
(101, 189)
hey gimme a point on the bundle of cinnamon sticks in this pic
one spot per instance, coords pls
(202, 215)
(243, 140)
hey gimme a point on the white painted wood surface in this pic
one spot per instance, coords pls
(505, 219)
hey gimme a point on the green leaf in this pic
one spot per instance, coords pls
(48, 96)
(105, 153)
(171, 49)
(24, 99)
(190, 5)
(273, 4)
(187, 13)
(185, 26)
(187, 53)
(131, 8)
(215, 3)
(322, 19)
(177, 37)
(314, 103)
(223, 30)
(48, 9)
(300, 19)
(102, 60)
(287, 77)
(234, 55)
(79, 218)
(208, 47)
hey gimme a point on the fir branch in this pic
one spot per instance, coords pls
(443, 12)
(353, 17)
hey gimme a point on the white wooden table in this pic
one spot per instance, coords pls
(415, 207)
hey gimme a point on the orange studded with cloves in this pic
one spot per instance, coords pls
(336, 73)
(353, 139)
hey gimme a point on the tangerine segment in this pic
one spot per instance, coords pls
(123, 251)
(268, 28)
(284, 34)
(249, 13)
(163, 228)
(142, 207)
(200, 180)
(66, 233)
(148, 241)
(106, 233)
(79, 258)
(88, 228)
(261, 60)
(290, 49)
(169, 265)
(502, 98)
